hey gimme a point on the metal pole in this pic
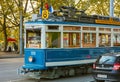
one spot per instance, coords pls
(111, 8)
(21, 23)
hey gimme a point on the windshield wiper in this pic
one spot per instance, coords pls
(105, 61)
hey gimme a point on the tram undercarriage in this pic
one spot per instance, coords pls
(57, 72)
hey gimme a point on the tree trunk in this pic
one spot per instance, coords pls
(5, 34)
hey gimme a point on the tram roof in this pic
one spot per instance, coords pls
(33, 23)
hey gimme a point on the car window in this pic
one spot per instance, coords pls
(106, 60)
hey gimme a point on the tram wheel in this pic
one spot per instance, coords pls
(99, 80)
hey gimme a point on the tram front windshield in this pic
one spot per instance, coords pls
(33, 38)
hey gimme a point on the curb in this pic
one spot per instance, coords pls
(11, 57)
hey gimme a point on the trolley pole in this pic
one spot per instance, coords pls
(21, 23)
(111, 8)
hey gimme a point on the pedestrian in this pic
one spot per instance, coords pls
(9, 49)
(15, 46)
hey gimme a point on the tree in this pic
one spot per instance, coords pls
(10, 11)
(99, 7)
(9, 14)
(117, 8)
(4, 13)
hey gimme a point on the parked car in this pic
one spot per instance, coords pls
(107, 68)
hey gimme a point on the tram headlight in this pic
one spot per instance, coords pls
(30, 59)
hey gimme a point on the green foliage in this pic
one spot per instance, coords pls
(9, 19)
(117, 8)
(10, 11)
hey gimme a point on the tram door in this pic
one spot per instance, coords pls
(33, 38)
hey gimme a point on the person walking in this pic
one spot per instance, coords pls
(15, 46)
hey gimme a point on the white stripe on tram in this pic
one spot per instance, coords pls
(62, 63)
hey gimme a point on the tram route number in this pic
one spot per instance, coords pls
(45, 14)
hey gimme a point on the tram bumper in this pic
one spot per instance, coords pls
(33, 67)
(28, 71)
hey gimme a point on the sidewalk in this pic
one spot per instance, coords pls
(9, 54)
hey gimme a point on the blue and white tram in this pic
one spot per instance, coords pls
(67, 45)
(54, 49)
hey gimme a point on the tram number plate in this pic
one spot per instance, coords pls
(102, 76)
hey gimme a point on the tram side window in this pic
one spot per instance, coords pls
(104, 40)
(89, 40)
(53, 40)
(33, 39)
(71, 40)
(116, 40)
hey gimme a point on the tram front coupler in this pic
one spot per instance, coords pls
(29, 73)
(21, 71)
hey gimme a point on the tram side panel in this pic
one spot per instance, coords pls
(76, 56)
(38, 59)
(67, 57)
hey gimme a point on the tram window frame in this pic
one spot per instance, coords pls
(50, 41)
(116, 30)
(116, 39)
(52, 27)
(89, 28)
(35, 35)
(71, 28)
(105, 29)
(71, 39)
(104, 39)
(89, 39)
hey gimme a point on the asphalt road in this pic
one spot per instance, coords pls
(8, 69)
(84, 78)
(8, 73)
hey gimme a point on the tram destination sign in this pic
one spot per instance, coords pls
(110, 21)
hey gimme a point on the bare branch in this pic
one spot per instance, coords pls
(12, 12)
(17, 3)
(32, 6)
(14, 23)
(26, 6)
